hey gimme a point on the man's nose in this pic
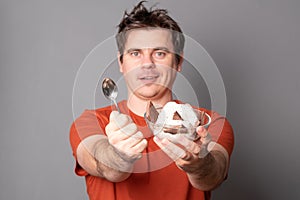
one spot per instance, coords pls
(148, 61)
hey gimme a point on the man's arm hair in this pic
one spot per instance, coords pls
(97, 157)
(212, 169)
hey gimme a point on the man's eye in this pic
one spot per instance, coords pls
(135, 53)
(160, 54)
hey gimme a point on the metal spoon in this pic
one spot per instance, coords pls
(110, 91)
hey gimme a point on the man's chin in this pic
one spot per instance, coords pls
(149, 91)
(146, 96)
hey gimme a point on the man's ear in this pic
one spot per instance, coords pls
(120, 63)
(179, 65)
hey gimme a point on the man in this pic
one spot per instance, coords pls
(117, 153)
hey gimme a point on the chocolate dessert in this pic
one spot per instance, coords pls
(175, 118)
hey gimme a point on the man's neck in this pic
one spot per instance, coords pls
(139, 106)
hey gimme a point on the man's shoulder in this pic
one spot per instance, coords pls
(102, 111)
(195, 106)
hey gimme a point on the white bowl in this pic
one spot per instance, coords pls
(176, 126)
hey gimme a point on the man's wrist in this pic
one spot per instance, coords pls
(108, 157)
(204, 167)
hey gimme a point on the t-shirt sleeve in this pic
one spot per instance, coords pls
(221, 132)
(88, 124)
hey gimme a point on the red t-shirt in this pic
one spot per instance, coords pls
(155, 175)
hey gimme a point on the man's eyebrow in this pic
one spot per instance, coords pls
(155, 48)
(162, 48)
(132, 49)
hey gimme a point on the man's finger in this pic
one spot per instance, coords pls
(139, 147)
(131, 149)
(113, 115)
(126, 133)
(117, 121)
(205, 137)
(201, 131)
(172, 150)
(129, 129)
(183, 141)
(127, 142)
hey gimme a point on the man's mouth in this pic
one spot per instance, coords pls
(149, 77)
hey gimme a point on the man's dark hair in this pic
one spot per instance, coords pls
(141, 17)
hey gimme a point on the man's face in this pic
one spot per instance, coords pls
(149, 66)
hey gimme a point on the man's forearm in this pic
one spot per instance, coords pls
(210, 172)
(110, 164)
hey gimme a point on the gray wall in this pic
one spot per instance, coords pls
(255, 45)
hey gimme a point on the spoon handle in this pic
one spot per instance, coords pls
(116, 104)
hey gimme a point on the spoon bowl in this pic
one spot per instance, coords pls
(110, 91)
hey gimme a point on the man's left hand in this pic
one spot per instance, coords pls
(186, 153)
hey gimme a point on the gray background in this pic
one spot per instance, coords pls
(255, 44)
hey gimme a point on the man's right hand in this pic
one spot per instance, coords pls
(124, 136)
